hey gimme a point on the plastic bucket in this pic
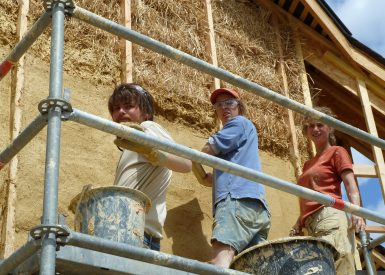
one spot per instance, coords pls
(288, 256)
(115, 213)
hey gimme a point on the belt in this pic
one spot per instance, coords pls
(151, 239)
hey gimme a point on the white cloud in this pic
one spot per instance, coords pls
(365, 20)
(379, 208)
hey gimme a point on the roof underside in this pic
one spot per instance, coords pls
(330, 93)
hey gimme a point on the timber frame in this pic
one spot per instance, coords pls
(340, 66)
(349, 76)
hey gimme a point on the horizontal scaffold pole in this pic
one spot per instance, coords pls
(145, 255)
(23, 45)
(122, 131)
(224, 75)
(377, 241)
(23, 138)
(19, 256)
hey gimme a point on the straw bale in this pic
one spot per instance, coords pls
(8, 20)
(245, 44)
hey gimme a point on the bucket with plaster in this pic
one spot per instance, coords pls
(115, 213)
(288, 256)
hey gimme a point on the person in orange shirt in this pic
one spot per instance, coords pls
(324, 173)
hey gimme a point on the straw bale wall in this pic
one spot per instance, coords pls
(246, 46)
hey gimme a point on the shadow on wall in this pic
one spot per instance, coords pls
(184, 226)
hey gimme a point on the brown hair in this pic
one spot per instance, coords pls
(326, 111)
(133, 93)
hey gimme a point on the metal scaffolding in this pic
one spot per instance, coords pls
(50, 236)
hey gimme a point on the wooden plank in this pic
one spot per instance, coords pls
(364, 171)
(378, 258)
(303, 78)
(328, 25)
(281, 2)
(126, 46)
(295, 156)
(339, 63)
(293, 6)
(305, 12)
(369, 64)
(357, 259)
(17, 88)
(343, 78)
(319, 40)
(375, 229)
(369, 119)
(211, 39)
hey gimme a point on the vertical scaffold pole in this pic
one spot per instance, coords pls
(48, 255)
(370, 268)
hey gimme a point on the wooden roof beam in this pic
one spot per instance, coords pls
(305, 29)
(364, 171)
(343, 66)
(334, 33)
(354, 55)
(344, 79)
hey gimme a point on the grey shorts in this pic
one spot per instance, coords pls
(240, 223)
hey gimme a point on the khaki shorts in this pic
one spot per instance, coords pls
(332, 225)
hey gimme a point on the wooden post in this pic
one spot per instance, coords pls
(17, 88)
(211, 39)
(295, 157)
(371, 125)
(126, 46)
(303, 76)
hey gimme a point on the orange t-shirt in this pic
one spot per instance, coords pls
(323, 174)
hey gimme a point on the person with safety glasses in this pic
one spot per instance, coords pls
(241, 215)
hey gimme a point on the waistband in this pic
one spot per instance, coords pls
(151, 239)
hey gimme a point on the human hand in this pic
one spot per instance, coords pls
(154, 156)
(296, 230)
(358, 223)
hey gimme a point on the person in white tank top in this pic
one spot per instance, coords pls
(131, 103)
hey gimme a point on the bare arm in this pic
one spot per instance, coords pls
(177, 164)
(208, 149)
(354, 197)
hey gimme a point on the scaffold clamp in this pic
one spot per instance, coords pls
(39, 231)
(47, 104)
(69, 5)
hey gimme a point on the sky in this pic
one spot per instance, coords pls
(365, 19)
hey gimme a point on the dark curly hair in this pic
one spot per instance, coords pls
(135, 94)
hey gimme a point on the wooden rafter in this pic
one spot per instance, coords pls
(328, 24)
(352, 54)
(126, 46)
(304, 82)
(17, 88)
(338, 62)
(211, 39)
(364, 171)
(295, 156)
(297, 23)
(344, 79)
(371, 125)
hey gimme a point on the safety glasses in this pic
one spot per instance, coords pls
(229, 103)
